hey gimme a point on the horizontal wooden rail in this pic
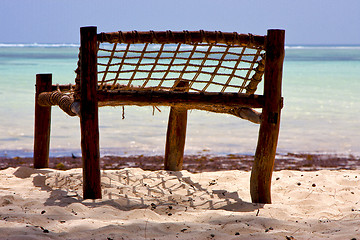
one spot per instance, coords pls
(235, 104)
(181, 99)
(188, 37)
(63, 87)
(164, 98)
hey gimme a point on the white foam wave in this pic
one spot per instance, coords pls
(54, 45)
(47, 45)
(322, 47)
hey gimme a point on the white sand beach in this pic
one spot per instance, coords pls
(138, 204)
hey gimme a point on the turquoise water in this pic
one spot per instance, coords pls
(321, 114)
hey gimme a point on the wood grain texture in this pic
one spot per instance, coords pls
(189, 100)
(176, 135)
(186, 37)
(260, 183)
(42, 123)
(89, 114)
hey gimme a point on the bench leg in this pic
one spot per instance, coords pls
(260, 182)
(90, 157)
(89, 114)
(42, 123)
(175, 139)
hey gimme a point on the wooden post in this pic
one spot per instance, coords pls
(175, 136)
(42, 123)
(89, 114)
(260, 182)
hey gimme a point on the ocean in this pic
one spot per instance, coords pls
(321, 114)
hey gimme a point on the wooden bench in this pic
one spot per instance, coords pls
(211, 71)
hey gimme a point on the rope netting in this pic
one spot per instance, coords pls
(197, 62)
(205, 67)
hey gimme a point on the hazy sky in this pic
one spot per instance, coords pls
(58, 21)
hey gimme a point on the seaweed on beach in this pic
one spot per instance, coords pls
(201, 163)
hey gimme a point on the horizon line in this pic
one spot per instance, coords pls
(35, 44)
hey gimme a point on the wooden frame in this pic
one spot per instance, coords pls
(260, 181)
(91, 98)
(42, 123)
(175, 137)
(89, 114)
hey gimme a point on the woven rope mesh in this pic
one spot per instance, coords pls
(206, 67)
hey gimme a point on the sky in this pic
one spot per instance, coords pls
(324, 22)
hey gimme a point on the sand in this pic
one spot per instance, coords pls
(139, 204)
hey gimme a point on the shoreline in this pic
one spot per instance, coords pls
(200, 163)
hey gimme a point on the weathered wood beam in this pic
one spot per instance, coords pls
(176, 135)
(89, 114)
(42, 123)
(260, 182)
(72, 108)
(63, 87)
(181, 99)
(183, 37)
